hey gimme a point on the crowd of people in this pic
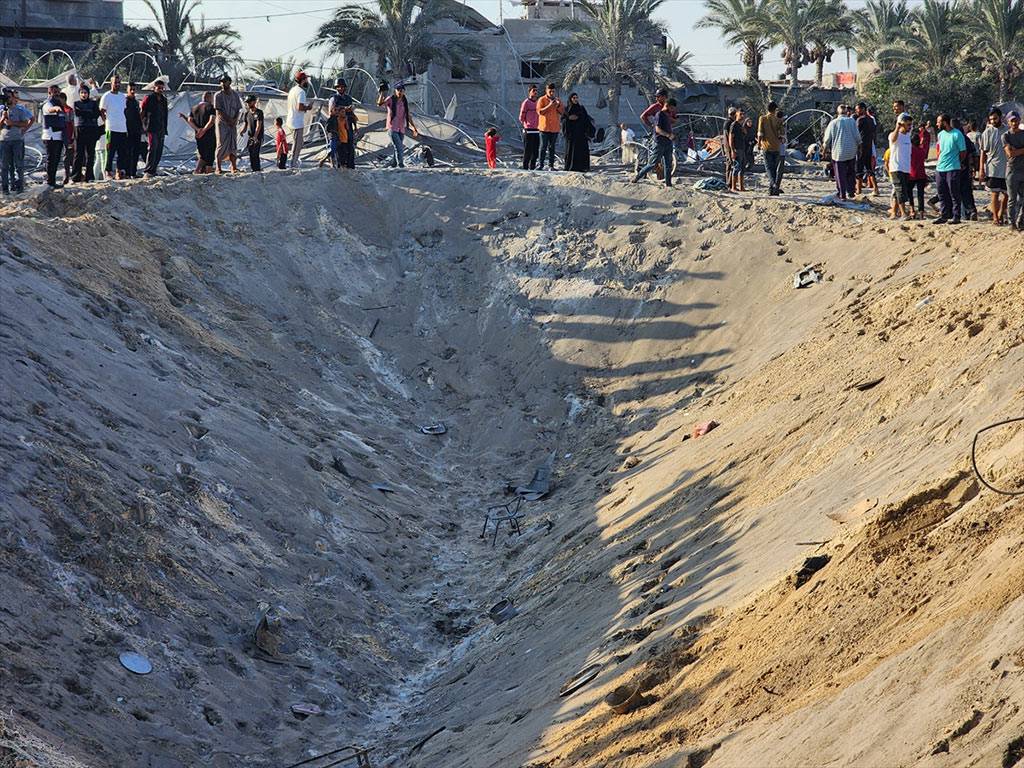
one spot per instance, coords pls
(73, 121)
(77, 120)
(993, 157)
(78, 124)
(543, 119)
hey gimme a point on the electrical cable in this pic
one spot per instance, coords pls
(974, 456)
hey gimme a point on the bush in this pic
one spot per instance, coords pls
(962, 91)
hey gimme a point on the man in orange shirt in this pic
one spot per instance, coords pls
(549, 120)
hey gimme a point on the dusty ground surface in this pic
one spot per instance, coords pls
(203, 380)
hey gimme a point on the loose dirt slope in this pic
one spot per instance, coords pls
(204, 379)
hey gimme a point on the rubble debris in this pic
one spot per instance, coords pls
(302, 710)
(805, 277)
(540, 485)
(267, 634)
(1014, 753)
(810, 567)
(509, 513)
(579, 680)
(701, 429)
(135, 662)
(710, 184)
(503, 610)
(865, 384)
(434, 429)
(624, 699)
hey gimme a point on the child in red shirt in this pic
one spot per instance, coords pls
(491, 139)
(281, 144)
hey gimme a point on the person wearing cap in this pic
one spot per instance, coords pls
(252, 126)
(992, 165)
(1013, 148)
(112, 106)
(154, 122)
(342, 113)
(952, 153)
(770, 129)
(549, 122)
(228, 107)
(528, 119)
(15, 119)
(298, 106)
(87, 126)
(398, 119)
(900, 152)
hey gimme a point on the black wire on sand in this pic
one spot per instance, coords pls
(974, 456)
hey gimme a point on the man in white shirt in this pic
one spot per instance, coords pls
(54, 123)
(112, 105)
(899, 166)
(298, 105)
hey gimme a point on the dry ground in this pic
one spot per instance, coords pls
(203, 379)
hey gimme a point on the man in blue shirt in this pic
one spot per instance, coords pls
(952, 155)
(15, 119)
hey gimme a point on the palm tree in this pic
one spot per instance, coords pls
(937, 36)
(997, 27)
(831, 26)
(671, 64)
(789, 23)
(185, 47)
(740, 22)
(879, 29)
(400, 33)
(614, 42)
(280, 72)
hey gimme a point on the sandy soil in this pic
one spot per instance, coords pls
(203, 380)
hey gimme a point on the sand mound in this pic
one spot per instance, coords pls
(213, 390)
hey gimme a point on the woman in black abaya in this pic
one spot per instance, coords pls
(578, 129)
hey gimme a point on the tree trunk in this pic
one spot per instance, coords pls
(794, 75)
(613, 101)
(819, 70)
(753, 58)
(1004, 91)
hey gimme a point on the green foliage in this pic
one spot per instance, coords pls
(187, 47)
(108, 48)
(615, 42)
(401, 35)
(33, 69)
(742, 24)
(997, 30)
(280, 72)
(961, 91)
